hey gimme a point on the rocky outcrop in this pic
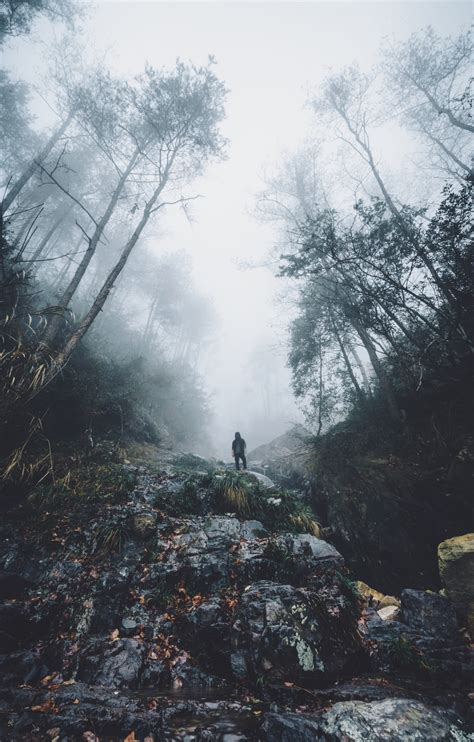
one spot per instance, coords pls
(199, 625)
(456, 568)
(286, 633)
(290, 727)
(428, 613)
(284, 458)
(401, 719)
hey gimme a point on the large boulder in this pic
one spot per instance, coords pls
(116, 664)
(285, 633)
(429, 613)
(306, 545)
(456, 569)
(400, 719)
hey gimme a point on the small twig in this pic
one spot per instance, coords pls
(64, 190)
(56, 257)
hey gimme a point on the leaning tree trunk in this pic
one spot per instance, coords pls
(355, 355)
(44, 241)
(63, 355)
(382, 376)
(55, 324)
(350, 370)
(27, 174)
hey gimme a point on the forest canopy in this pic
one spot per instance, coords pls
(76, 207)
(384, 306)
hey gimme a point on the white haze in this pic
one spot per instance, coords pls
(270, 55)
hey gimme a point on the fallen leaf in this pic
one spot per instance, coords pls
(47, 678)
(46, 706)
(53, 732)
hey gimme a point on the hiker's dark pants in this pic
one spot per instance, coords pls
(238, 456)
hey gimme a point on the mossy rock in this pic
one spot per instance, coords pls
(456, 569)
(143, 525)
(368, 593)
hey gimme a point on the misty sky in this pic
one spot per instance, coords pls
(270, 55)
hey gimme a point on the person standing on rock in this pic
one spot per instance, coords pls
(238, 451)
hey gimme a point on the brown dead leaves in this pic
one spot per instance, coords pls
(48, 707)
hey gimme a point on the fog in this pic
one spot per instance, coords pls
(271, 56)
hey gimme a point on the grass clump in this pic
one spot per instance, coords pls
(113, 535)
(278, 510)
(233, 492)
(182, 498)
(92, 483)
(403, 655)
(305, 522)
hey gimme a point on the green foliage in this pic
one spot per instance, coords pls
(182, 497)
(229, 491)
(277, 552)
(161, 596)
(112, 535)
(232, 492)
(404, 656)
(304, 522)
(397, 286)
(349, 590)
(278, 510)
(91, 483)
(16, 18)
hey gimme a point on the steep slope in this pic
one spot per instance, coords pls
(136, 605)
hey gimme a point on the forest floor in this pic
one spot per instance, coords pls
(157, 596)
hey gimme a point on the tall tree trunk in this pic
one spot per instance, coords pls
(420, 251)
(401, 326)
(64, 271)
(27, 224)
(25, 177)
(52, 330)
(320, 394)
(350, 370)
(150, 322)
(44, 241)
(385, 383)
(361, 367)
(63, 355)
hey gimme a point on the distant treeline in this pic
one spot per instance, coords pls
(385, 292)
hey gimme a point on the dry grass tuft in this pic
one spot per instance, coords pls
(305, 524)
(234, 492)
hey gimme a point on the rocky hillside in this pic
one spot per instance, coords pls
(161, 597)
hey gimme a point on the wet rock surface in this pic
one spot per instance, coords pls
(456, 567)
(400, 719)
(157, 616)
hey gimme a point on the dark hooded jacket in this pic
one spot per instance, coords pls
(238, 445)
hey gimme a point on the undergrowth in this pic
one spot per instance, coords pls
(107, 483)
(278, 510)
(404, 656)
